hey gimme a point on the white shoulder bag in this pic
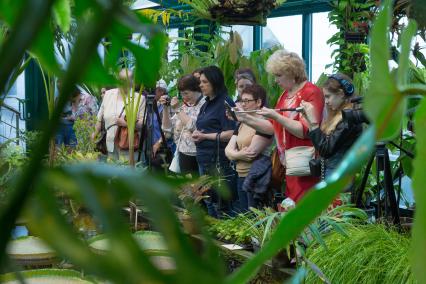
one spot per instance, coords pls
(297, 160)
(174, 165)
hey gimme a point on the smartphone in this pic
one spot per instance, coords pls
(230, 110)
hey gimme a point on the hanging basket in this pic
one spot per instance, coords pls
(235, 12)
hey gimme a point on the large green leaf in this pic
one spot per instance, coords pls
(62, 13)
(382, 99)
(148, 61)
(97, 74)
(124, 261)
(310, 206)
(43, 49)
(84, 48)
(419, 185)
(404, 61)
(26, 27)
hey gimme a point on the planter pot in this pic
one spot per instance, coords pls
(189, 225)
(282, 259)
(406, 223)
(355, 37)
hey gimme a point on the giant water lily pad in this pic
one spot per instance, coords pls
(150, 242)
(47, 276)
(30, 251)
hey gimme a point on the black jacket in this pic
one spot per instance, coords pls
(333, 147)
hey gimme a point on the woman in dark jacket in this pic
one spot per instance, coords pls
(335, 135)
(213, 131)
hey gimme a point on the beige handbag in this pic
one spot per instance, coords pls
(297, 160)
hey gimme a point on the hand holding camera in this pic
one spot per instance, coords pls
(308, 112)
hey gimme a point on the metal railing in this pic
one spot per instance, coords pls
(9, 123)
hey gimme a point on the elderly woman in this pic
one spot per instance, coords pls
(335, 135)
(213, 132)
(182, 123)
(290, 127)
(112, 113)
(249, 149)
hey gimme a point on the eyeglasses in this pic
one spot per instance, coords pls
(247, 101)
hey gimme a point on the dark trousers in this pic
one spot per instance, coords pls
(66, 135)
(217, 206)
(188, 164)
(243, 202)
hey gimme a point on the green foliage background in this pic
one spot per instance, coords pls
(105, 189)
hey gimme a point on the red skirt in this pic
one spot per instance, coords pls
(296, 187)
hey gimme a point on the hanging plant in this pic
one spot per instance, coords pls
(234, 12)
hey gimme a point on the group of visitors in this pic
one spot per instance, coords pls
(212, 134)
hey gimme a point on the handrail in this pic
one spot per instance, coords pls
(14, 110)
(11, 126)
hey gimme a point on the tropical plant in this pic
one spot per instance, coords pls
(104, 189)
(352, 16)
(83, 128)
(257, 62)
(365, 254)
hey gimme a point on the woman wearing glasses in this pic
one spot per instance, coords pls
(247, 146)
(182, 123)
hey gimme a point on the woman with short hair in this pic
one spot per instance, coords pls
(182, 123)
(290, 127)
(249, 148)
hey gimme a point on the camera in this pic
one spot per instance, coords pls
(168, 100)
(355, 116)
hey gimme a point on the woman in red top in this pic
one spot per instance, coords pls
(290, 128)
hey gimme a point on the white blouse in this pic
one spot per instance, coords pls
(110, 109)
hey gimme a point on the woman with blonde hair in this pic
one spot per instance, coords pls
(290, 127)
(335, 135)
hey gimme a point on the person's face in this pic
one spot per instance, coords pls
(103, 91)
(285, 81)
(159, 92)
(242, 84)
(249, 103)
(333, 101)
(189, 96)
(205, 86)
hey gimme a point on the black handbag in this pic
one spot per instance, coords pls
(100, 143)
(315, 165)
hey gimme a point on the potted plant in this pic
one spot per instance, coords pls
(190, 194)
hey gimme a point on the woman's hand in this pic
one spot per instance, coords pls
(268, 113)
(309, 113)
(198, 136)
(121, 122)
(164, 100)
(174, 103)
(246, 155)
(155, 148)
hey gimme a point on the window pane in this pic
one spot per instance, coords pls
(246, 33)
(286, 31)
(321, 51)
(173, 44)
